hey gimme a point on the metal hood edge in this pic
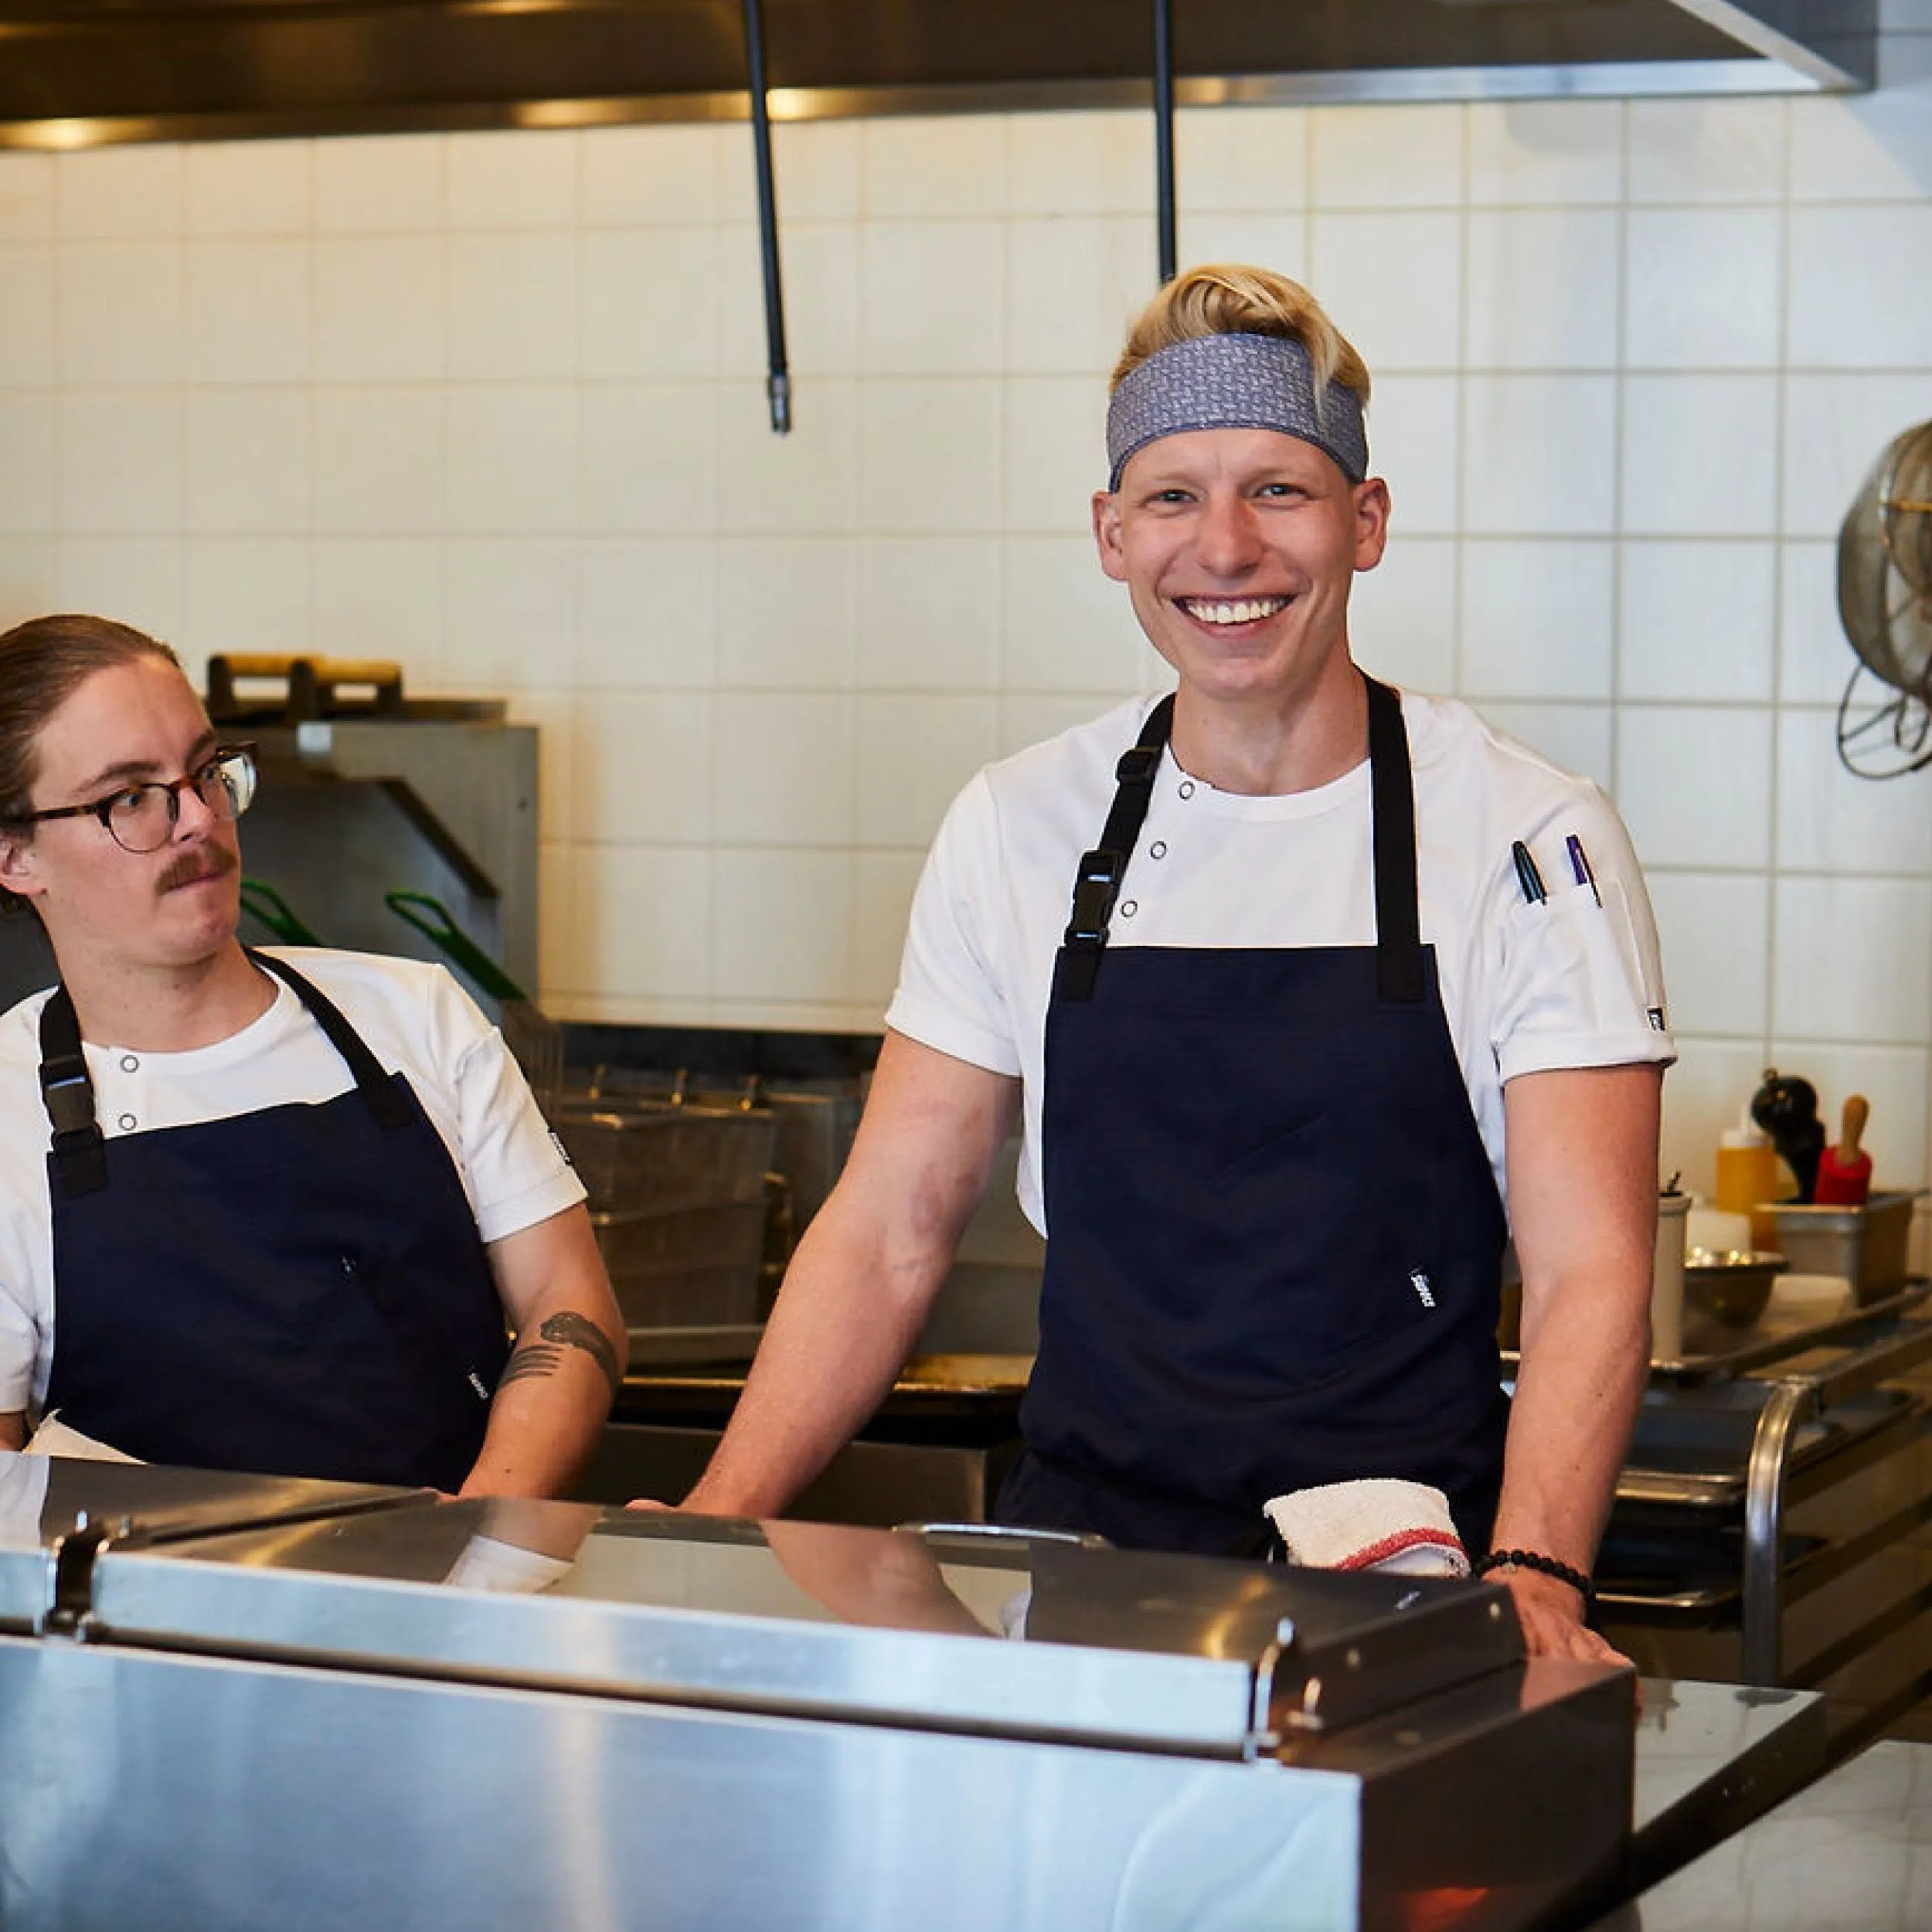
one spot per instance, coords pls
(79, 72)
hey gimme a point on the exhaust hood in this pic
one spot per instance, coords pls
(75, 72)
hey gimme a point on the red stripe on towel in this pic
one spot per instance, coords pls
(1377, 1553)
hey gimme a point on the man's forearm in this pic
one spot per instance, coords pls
(842, 1329)
(1582, 1377)
(551, 1402)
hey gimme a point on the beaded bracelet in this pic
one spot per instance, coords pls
(1543, 1565)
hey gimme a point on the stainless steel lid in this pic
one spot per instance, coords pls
(46, 1501)
(956, 1631)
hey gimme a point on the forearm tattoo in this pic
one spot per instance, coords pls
(569, 1330)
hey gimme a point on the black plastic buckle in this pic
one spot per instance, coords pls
(1138, 765)
(1095, 888)
(70, 1098)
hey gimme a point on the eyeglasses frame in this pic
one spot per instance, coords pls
(100, 808)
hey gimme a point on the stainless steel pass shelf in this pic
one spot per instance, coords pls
(745, 1724)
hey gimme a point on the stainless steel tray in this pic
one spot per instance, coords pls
(1119, 1647)
(1778, 1336)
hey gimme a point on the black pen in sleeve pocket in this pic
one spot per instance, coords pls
(1527, 875)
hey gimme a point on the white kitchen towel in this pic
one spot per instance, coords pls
(1378, 1523)
(55, 1438)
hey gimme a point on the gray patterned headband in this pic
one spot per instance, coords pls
(1234, 383)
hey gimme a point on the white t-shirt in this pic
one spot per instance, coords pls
(1526, 986)
(415, 1018)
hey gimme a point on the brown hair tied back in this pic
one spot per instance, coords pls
(43, 663)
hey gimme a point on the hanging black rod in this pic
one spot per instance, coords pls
(778, 376)
(1164, 134)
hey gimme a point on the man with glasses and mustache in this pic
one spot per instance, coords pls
(271, 1211)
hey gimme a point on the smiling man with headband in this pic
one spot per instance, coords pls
(1295, 1054)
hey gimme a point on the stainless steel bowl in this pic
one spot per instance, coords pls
(1733, 1285)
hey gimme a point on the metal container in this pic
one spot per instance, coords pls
(686, 1267)
(641, 1156)
(1735, 1288)
(1870, 1246)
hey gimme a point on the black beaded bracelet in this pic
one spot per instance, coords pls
(1544, 1566)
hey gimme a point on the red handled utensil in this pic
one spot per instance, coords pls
(1844, 1173)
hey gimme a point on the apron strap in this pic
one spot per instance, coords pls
(79, 1149)
(1399, 960)
(376, 1088)
(1097, 883)
(67, 1092)
(1399, 969)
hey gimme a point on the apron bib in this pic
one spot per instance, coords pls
(1275, 1239)
(297, 1291)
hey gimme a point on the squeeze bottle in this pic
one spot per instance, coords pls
(1747, 1178)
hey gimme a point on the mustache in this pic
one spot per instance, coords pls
(210, 861)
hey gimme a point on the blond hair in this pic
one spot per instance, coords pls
(1231, 299)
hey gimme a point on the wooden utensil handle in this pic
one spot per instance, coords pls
(1858, 1110)
(376, 671)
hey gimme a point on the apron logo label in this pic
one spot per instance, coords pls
(1655, 1015)
(1419, 1282)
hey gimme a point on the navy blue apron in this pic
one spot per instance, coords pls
(1274, 1238)
(297, 1291)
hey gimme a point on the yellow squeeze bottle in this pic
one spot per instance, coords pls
(1747, 1179)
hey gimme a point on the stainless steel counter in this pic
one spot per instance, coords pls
(1852, 1853)
(362, 1709)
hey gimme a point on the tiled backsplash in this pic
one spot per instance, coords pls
(493, 405)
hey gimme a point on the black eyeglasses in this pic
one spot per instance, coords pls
(141, 818)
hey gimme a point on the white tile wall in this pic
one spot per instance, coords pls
(247, 461)
(1542, 288)
(645, 618)
(1708, 151)
(1379, 157)
(1539, 618)
(248, 593)
(29, 185)
(1695, 784)
(120, 312)
(28, 434)
(1699, 455)
(1398, 278)
(1560, 154)
(118, 459)
(929, 614)
(494, 404)
(1401, 619)
(1704, 288)
(1854, 960)
(1697, 620)
(249, 188)
(1538, 455)
(248, 311)
(26, 314)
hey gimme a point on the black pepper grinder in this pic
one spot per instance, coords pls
(1786, 1107)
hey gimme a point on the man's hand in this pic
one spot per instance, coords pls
(1551, 1613)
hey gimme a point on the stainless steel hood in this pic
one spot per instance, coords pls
(74, 73)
